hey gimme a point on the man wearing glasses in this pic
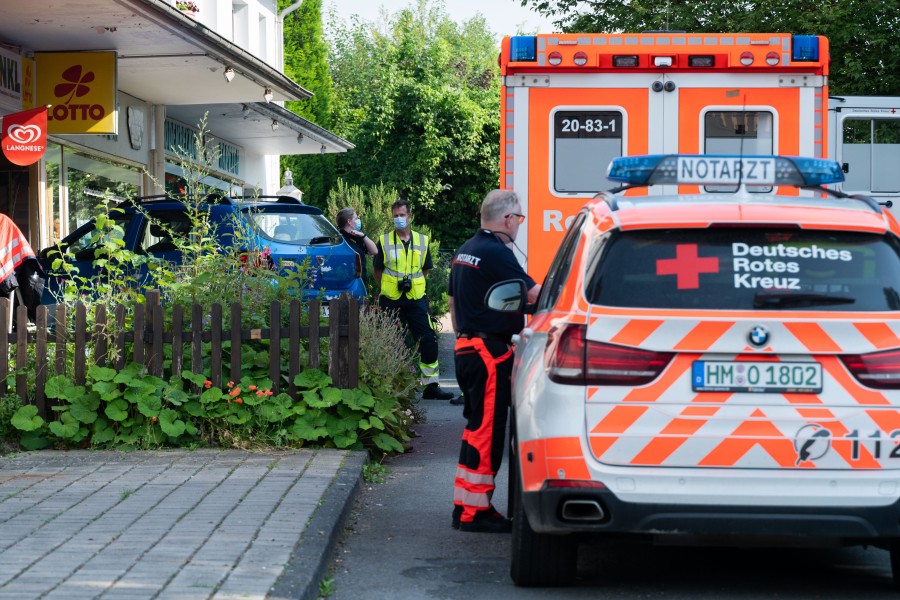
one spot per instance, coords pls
(484, 357)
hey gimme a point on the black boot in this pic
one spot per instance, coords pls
(434, 392)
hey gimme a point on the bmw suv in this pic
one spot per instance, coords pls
(710, 366)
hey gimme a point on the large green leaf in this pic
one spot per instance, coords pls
(26, 418)
(101, 373)
(312, 379)
(170, 424)
(387, 443)
(303, 430)
(149, 406)
(84, 409)
(117, 410)
(66, 427)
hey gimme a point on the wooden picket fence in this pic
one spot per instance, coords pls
(148, 338)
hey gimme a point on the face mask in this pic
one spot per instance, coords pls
(357, 224)
(400, 222)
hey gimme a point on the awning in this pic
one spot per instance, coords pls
(250, 126)
(165, 56)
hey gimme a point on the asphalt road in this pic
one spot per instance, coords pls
(399, 545)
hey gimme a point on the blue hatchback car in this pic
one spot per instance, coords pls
(290, 230)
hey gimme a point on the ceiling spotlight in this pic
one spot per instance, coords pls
(229, 74)
(275, 125)
(322, 149)
(300, 138)
(245, 110)
(268, 95)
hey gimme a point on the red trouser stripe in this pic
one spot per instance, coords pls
(474, 488)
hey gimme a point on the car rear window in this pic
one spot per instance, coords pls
(294, 228)
(748, 269)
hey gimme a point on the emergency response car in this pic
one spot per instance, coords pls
(710, 366)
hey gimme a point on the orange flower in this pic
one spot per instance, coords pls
(207, 384)
(239, 400)
(269, 393)
(153, 419)
(259, 393)
(230, 384)
(235, 392)
(252, 388)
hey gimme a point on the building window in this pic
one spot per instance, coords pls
(79, 184)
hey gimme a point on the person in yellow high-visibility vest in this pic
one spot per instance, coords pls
(400, 267)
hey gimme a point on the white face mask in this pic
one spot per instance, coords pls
(400, 222)
(357, 224)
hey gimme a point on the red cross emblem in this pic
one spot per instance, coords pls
(687, 266)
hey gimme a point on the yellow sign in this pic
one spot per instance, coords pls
(80, 88)
(27, 83)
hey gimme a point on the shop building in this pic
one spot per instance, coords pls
(129, 83)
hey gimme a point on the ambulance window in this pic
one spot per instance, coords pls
(748, 269)
(561, 266)
(870, 150)
(584, 143)
(738, 132)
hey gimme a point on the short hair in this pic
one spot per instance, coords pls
(497, 204)
(401, 202)
(343, 216)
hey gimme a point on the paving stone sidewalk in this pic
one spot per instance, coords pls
(171, 524)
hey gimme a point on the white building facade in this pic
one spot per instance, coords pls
(177, 64)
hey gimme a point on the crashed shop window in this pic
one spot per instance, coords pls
(91, 181)
(584, 143)
(743, 132)
(55, 192)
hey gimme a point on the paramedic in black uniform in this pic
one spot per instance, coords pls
(484, 357)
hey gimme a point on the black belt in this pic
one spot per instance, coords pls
(485, 336)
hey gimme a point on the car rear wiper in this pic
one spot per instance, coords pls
(773, 301)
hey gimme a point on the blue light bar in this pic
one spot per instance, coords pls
(805, 48)
(723, 169)
(523, 48)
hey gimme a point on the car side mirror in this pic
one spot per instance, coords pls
(507, 296)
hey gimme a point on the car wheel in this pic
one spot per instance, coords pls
(539, 559)
(895, 562)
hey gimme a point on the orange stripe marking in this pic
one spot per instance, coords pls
(879, 335)
(747, 435)
(651, 393)
(660, 448)
(813, 337)
(861, 395)
(704, 335)
(619, 419)
(635, 332)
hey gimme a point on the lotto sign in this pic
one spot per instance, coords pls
(80, 88)
(25, 136)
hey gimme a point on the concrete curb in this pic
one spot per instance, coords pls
(313, 551)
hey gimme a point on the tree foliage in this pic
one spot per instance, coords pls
(862, 34)
(306, 62)
(419, 96)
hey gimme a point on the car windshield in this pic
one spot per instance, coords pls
(748, 269)
(294, 228)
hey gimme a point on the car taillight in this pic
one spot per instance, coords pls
(880, 370)
(576, 361)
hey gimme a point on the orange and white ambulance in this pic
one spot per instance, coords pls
(570, 103)
(864, 137)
